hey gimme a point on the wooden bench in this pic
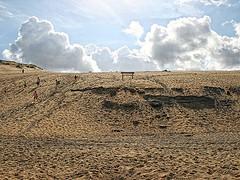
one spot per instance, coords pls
(127, 74)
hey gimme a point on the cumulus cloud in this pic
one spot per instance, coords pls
(183, 44)
(39, 43)
(122, 59)
(190, 43)
(104, 58)
(134, 29)
(131, 60)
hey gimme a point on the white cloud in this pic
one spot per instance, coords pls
(39, 43)
(190, 43)
(235, 25)
(134, 29)
(204, 2)
(237, 29)
(5, 13)
(228, 22)
(104, 58)
(122, 59)
(214, 2)
(131, 60)
(184, 44)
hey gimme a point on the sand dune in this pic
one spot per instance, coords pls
(160, 125)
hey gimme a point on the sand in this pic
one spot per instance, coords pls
(160, 125)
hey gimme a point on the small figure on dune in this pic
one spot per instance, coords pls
(57, 83)
(75, 77)
(22, 70)
(25, 84)
(38, 81)
(35, 95)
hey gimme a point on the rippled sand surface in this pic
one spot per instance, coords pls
(160, 125)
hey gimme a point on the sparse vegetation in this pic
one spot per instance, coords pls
(19, 65)
(168, 125)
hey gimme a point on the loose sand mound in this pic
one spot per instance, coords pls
(7, 67)
(160, 125)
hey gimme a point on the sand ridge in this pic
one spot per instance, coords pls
(100, 127)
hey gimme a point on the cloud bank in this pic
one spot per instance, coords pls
(190, 43)
(40, 44)
(184, 44)
(122, 59)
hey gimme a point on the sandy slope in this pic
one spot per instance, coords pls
(100, 127)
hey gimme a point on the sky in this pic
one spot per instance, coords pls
(126, 35)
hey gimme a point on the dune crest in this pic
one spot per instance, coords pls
(159, 125)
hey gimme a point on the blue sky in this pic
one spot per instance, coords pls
(101, 22)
